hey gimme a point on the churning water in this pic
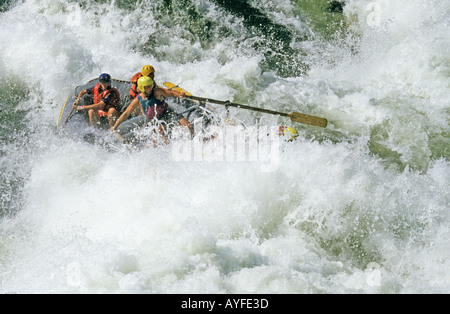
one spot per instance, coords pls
(361, 206)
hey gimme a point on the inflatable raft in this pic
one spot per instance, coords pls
(75, 124)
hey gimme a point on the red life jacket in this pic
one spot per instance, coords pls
(98, 97)
(133, 91)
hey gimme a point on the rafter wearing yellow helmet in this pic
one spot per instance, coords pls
(147, 70)
(144, 81)
(150, 104)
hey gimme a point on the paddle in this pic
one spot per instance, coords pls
(294, 116)
(70, 114)
(68, 117)
(172, 86)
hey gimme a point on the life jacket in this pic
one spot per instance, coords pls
(152, 106)
(134, 88)
(98, 97)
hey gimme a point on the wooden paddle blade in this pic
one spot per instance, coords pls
(306, 119)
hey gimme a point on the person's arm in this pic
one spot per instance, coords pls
(89, 107)
(104, 102)
(168, 93)
(75, 103)
(81, 94)
(126, 114)
(94, 106)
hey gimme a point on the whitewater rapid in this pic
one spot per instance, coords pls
(359, 207)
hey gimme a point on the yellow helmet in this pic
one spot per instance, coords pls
(147, 70)
(292, 132)
(144, 81)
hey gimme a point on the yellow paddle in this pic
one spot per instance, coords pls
(177, 88)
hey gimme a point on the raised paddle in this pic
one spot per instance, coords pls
(294, 116)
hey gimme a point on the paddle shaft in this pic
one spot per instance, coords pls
(294, 116)
(231, 104)
(68, 117)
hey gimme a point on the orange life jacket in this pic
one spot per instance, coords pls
(133, 91)
(98, 97)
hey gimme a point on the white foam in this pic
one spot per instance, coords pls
(98, 221)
